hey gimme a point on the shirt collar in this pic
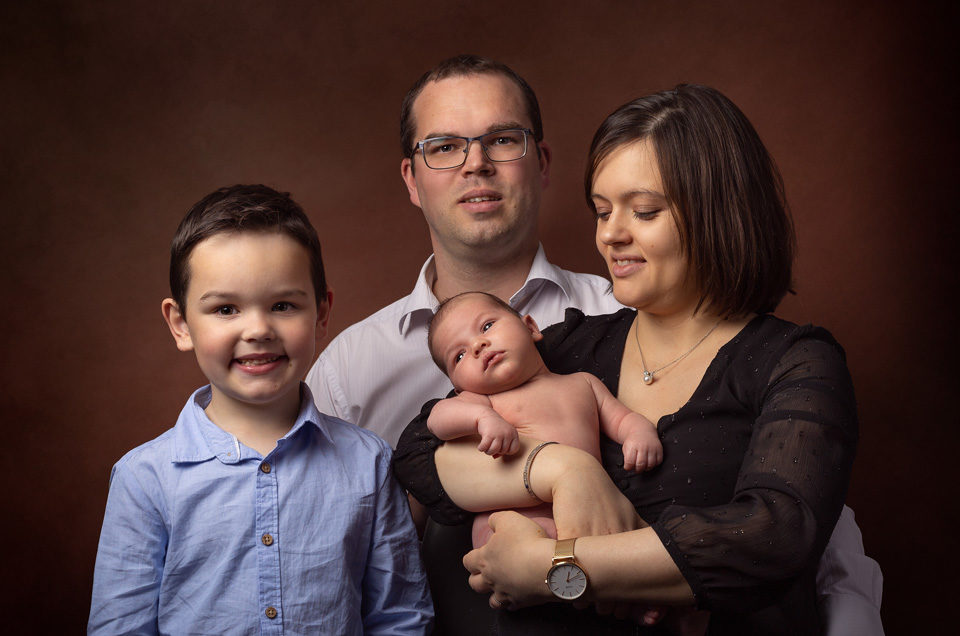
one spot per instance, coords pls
(421, 304)
(197, 439)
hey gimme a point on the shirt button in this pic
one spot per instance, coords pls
(267, 539)
(271, 612)
(265, 467)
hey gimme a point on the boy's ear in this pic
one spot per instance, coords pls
(177, 323)
(532, 326)
(323, 314)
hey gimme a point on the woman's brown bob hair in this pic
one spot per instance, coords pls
(723, 188)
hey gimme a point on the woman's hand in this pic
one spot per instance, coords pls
(513, 564)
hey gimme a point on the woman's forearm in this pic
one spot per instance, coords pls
(477, 482)
(627, 567)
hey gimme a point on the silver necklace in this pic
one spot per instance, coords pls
(648, 375)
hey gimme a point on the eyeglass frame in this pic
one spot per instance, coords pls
(483, 148)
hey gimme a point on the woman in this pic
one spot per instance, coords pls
(756, 415)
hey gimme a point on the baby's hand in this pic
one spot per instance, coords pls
(497, 436)
(642, 450)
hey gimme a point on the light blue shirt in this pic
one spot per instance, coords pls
(202, 535)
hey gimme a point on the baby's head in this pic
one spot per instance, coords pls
(483, 344)
(248, 293)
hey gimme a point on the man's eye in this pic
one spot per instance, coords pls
(486, 326)
(226, 310)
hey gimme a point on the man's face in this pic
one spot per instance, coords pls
(485, 348)
(482, 205)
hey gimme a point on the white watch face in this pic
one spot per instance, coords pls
(567, 581)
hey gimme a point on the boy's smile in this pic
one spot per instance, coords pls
(251, 318)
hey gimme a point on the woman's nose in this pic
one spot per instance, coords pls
(612, 231)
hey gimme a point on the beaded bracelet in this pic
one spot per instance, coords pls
(526, 469)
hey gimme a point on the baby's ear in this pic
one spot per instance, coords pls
(532, 326)
(177, 322)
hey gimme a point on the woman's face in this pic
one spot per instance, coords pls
(637, 234)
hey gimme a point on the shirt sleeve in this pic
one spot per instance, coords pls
(789, 491)
(130, 558)
(396, 599)
(849, 583)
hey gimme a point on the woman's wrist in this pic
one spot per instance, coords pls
(556, 465)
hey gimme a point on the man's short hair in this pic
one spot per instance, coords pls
(457, 67)
(723, 188)
(444, 308)
(242, 208)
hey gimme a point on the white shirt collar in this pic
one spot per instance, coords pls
(421, 303)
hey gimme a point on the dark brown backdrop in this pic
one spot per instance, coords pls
(116, 116)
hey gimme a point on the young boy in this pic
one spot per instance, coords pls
(487, 350)
(255, 513)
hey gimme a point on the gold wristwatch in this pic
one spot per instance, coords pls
(566, 579)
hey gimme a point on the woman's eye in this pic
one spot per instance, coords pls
(486, 326)
(602, 215)
(646, 215)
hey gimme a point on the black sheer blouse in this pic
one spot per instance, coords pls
(755, 470)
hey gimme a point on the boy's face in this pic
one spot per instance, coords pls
(251, 318)
(485, 348)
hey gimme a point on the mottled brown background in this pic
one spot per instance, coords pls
(117, 116)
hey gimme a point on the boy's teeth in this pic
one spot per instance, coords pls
(255, 363)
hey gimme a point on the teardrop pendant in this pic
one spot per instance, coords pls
(647, 377)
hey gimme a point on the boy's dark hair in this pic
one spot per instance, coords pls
(444, 308)
(723, 188)
(457, 67)
(242, 208)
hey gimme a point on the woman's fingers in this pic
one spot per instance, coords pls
(513, 563)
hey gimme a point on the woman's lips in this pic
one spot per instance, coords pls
(620, 267)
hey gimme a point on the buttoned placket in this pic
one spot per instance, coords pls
(268, 548)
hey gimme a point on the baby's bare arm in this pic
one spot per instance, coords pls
(642, 449)
(472, 414)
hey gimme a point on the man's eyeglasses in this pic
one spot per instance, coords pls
(442, 153)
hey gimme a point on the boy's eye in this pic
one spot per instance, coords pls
(283, 306)
(225, 310)
(486, 326)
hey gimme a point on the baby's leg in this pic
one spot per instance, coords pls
(541, 515)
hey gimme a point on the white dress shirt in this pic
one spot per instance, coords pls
(378, 373)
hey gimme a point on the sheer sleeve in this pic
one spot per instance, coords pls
(790, 487)
(416, 470)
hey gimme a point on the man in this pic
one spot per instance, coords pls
(482, 217)
(474, 161)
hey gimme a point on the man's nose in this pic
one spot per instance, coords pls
(476, 160)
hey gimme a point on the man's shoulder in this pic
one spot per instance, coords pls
(381, 321)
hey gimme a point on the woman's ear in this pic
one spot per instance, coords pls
(177, 322)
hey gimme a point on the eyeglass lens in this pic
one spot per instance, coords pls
(449, 152)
